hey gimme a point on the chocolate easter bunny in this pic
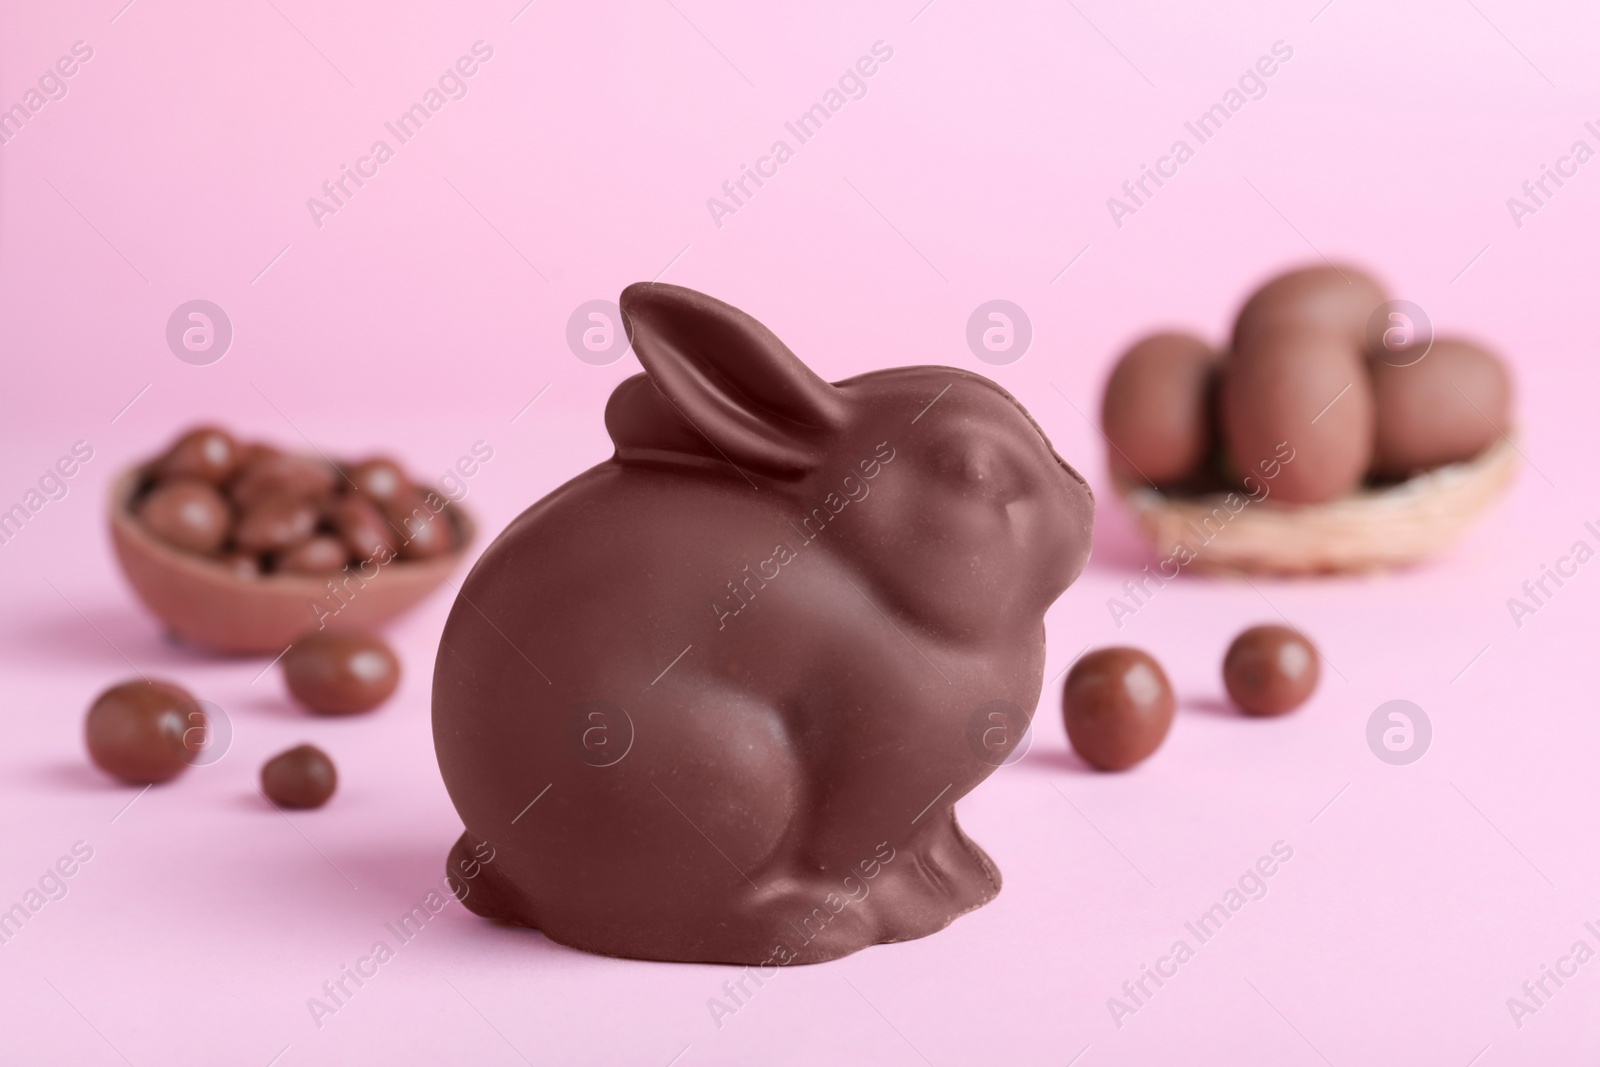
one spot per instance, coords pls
(713, 699)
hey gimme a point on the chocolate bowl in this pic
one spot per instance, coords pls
(210, 607)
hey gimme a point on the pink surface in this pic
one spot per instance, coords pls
(429, 311)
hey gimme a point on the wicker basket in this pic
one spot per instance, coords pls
(1373, 529)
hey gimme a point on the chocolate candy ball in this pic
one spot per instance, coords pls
(1118, 707)
(275, 523)
(205, 453)
(362, 527)
(303, 777)
(340, 673)
(426, 532)
(381, 480)
(144, 732)
(1270, 670)
(188, 515)
(320, 555)
(272, 473)
(255, 452)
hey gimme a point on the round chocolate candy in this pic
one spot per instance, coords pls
(188, 514)
(426, 532)
(255, 452)
(340, 673)
(275, 523)
(272, 473)
(205, 453)
(302, 777)
(145, 731)
(381, 480)
(322, 554)
(1118, 707)
(1270, 670)
(365, 532)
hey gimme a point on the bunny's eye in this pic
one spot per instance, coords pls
(978, 469)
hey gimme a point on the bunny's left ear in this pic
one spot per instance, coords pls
(732, 379)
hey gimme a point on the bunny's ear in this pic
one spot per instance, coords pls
(731, 379)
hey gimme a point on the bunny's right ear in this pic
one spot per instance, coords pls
(731, 379)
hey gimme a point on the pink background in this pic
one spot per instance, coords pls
(977, 166)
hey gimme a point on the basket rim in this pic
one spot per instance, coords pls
(1502, 452)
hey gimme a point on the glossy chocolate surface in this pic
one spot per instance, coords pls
(302, 777)
(1337, 299)
(1445, 408)
(362, 527)
(205, 453)
(187, 514)
(1118, 707)
(274, 523)
(381, 480)
(712, 699)
(1270, 670)
(340, 673)
(1299, 401)
(1157, 409)
(269, 472)
(144, 732)
(245, 601)
(423, 532)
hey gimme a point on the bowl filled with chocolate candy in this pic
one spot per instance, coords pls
(1333, 432)
(241, 547)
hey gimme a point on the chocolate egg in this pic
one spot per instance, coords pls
(1335, 299)
(1445, 408)
(187, 514)
(1297, 413)
(1156, 412)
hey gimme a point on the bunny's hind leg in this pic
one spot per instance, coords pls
(472, 877)
(944, 876)
(921, 885)
(897, 893)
